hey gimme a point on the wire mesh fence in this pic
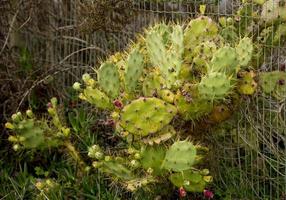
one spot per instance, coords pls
(249, 159)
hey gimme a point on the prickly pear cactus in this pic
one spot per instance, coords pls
(152, 159)
(190, 105)
(215, 86)
(181, 156)
(173, 78)
(168, 57)
(145, 116)
(108, 79)
(247, 85)
(273, 83)
(199, 30)
(152, 84)
(224, 60)
(273, 10)
(134, 70)
(244, 50)
(190, 180)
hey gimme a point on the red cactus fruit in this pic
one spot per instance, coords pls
(182, 192)
(208, 194)
(117, 103)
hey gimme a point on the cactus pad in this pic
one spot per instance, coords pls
(192, 109)
(96, 97)
(214, 86)
(203, 53)
(116, 169)
(108, 79)
(273, 10)
(133, 70)
(244, 51)
(224, 60)
(190, 180)
(152, 158)
(199, 30)
(180, 156)
(166, 95)
(146, 115)
(163, 135)
(166, 52)
(247, 84)
(152, 84)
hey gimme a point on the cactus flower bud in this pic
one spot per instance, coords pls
(19, 114)
(186, 182)
(229, 21)
(98, 155)
(54, 101)
(29, 113)
(150, 170)
(204, 172)
(96, 164)
(134, 163)
(51, 111)
(208, 179)
(9, 125)
(137, 156)
(81, 96)
(66, 131)
(76, 86)
(107, 158)
(202, 9)
(15, 117)
(16, 147)
(86, 77)
(12, 139)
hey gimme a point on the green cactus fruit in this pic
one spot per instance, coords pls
(192, 181)
(247, 85)
(133, 71)
(215, 86)
(152, 84)
(163, 135)
(145, 116)
(244, 51)
(152, 158)
(180, 156)
(203, 53)
(96, 97)
(224, 60)
(199, 30)
(166, 95)
(167, 55)
(108, 79)
(273, 10)
(116, 169)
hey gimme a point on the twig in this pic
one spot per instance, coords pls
(10, 28)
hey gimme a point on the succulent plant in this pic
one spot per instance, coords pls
(170, 76)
